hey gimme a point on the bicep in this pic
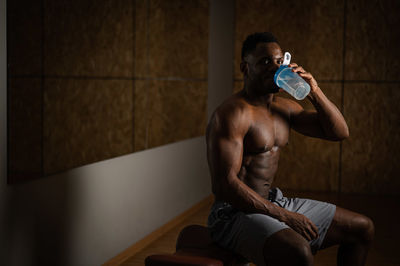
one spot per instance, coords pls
(225, 144)
(225, 156)
(306, 122)
(303, 121)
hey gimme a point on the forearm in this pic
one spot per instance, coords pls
(247, 200)
(330, 118)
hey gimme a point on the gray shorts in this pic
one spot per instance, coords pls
(246, 233)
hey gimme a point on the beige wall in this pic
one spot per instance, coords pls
(93, 80)
(351, 48)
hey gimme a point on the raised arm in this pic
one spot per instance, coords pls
(326, 121)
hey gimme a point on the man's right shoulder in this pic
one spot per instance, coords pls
(234, 112)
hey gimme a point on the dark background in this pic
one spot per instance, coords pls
(92, 80)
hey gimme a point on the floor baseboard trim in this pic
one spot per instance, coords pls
(141, 244)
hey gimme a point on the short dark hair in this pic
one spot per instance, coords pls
(250, 44)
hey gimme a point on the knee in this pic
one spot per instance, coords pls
(297, 253)
(287, 248)
(365, 229)
(302, 254)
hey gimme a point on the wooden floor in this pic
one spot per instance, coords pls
(384, 211)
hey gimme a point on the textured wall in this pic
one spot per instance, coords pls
(91, 80)
(351, 48)
(171, 70)
(98, 209)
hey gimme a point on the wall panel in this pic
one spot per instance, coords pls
(312, 31)
(86, 121)
(88, 38)
(116, 76)
(371, 154)
(350, 47)
(177, 111)
(372, 40)
(178, 38)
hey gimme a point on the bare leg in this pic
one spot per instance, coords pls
(354, 233)
(287, 247)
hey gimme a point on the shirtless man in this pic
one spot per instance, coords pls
(244, 138)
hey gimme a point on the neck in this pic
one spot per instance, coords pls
(256, 97)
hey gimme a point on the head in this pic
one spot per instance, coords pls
(261, 57)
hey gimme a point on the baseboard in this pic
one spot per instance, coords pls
(141, 244)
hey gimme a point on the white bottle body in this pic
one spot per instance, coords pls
(291, 82)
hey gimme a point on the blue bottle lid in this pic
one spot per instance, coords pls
(282, 67)
(286, 61)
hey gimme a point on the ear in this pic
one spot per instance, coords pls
(244, 68)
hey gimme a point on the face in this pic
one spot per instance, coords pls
(262, 64)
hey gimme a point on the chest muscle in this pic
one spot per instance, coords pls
(266, 132)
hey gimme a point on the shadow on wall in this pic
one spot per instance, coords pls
(38, 223)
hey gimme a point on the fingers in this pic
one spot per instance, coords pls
(312, 230)
(309, 231)
(315, 229)
(307, 236)
(314, 234)
(296, 68)
(310, 234)
(303, 225)
(300, 70)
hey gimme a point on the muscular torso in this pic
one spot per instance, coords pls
(266, 133)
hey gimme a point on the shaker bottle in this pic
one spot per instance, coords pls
(290, 81)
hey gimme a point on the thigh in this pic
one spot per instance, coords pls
(320, 213)
(250, 232)
(287, 247)
(346, 227)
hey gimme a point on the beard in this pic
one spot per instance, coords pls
(269, 86)
(262, 84)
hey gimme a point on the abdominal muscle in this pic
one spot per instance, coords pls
(258, 170)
